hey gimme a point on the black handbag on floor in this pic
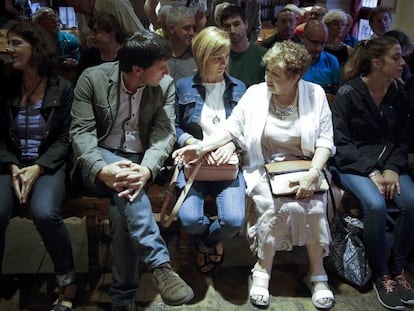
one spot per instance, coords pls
(347, 256)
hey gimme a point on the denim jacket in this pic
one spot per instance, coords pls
(190, 97)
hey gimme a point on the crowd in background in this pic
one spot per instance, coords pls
(108, 105)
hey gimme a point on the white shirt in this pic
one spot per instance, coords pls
(213, 112)
(125, 132)
(248, 118)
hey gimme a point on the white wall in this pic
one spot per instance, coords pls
(339, 4)
(403, 17)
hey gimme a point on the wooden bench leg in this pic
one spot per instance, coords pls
(93, 242)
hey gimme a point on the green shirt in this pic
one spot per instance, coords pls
(247, 66)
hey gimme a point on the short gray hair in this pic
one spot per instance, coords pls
(333, 15)
(175, 13)
(40, 12)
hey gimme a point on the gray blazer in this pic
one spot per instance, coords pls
(94, 111)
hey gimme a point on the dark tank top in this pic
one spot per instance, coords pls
(341, 54)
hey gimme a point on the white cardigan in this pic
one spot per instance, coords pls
(248, 119)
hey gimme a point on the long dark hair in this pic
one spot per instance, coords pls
(360, 61)
(44, 49)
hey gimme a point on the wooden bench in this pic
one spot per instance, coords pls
(95, 210)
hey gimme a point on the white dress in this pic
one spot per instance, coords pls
(280, 223)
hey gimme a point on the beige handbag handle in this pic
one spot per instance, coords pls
(167, 222)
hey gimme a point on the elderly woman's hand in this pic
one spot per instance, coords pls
(221, 155)
(307, 185)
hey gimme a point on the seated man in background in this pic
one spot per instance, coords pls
(104, 41)
(245, 57)
(317, 12)
(122, 132)
(285, 23)
(324, 68)
(68, 51)
(251, 9)
(180, 27)
(380, 20)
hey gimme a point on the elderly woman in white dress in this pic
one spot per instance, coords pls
(283, 114)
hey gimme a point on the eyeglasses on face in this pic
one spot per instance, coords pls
(315, 42)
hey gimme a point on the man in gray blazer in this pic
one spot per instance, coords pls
(122, 131)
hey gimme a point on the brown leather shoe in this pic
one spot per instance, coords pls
(173, 290)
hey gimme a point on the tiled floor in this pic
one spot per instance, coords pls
(224, 289)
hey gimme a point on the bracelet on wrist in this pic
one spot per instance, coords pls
(318, 170)
(374, 173)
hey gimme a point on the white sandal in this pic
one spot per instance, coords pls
(320, 294)
(259, 295)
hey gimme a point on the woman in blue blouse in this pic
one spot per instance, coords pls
(34, 147)
(203, 101)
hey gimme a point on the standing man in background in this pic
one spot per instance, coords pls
(197, 7)
(121, 9)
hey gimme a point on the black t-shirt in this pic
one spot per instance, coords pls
(89, 58)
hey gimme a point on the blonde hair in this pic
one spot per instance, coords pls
(293, 58)
(209, 41)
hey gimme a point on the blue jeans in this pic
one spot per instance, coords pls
(230, 202)
(135, 235)
(47, 196)
(375, 212)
